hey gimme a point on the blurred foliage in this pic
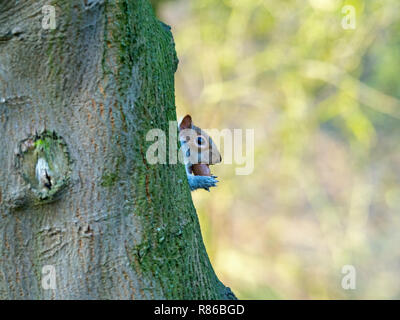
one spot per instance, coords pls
(323, 101)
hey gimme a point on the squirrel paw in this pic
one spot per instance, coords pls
(202, 182)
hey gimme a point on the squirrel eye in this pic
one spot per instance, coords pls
(200, 140)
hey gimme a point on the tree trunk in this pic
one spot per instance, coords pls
(76, 191)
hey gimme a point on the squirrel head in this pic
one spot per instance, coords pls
(200, 147)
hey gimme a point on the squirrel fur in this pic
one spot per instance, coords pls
(197, 148)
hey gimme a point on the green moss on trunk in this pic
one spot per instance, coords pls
(171, 251)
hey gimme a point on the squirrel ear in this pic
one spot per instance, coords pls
(186, 122)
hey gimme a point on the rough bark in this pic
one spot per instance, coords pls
(117, 227)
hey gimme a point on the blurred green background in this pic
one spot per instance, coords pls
(324, 104)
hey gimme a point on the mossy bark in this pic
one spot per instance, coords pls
(123, 229)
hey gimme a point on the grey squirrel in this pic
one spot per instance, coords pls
(199, 151)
